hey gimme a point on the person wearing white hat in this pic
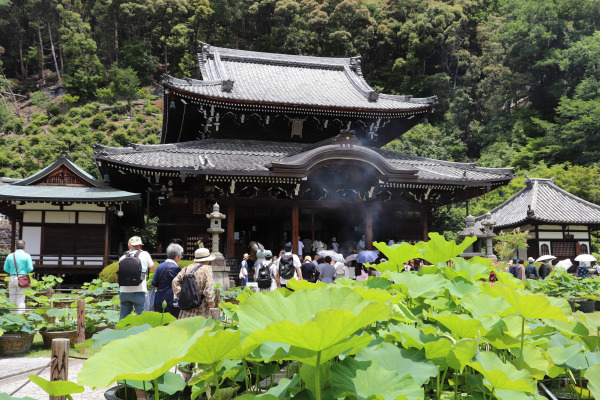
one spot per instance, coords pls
(334, 245)
(202, 272)
(133, 296)
(244, 270)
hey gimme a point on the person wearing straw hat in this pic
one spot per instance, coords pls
(203, 275)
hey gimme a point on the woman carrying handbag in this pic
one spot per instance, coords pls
(18, 265)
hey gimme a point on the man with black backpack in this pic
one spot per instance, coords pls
(288, 266)
(267, 274)
(134, 266)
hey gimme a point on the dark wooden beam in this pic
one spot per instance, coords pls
(230, 230)
(369, 227)
(295, 228)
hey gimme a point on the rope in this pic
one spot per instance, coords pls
(39, 372)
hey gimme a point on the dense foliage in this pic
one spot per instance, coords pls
(517, 81)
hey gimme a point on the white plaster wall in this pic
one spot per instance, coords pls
(580, 235)
(32, 216)
(32, 235)
(91, 218)
(84, 207)
(37, 206)
(550, 235)
(60, 217)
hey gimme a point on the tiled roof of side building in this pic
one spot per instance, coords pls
(252, 156)
(542, 201)
(291, 80)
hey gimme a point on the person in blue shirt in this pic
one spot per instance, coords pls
(163, 279)
(24, 267)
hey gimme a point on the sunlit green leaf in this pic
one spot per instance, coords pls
(500, 375)
(438, 250)
(149, 317)
(56, 388)
(397, 255)
(414, 285)
(461, 325)
(526, 305)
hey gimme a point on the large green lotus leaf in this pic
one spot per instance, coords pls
(438, 250)
(363, 379)
(513, 324)
(561, 303)
(593, 376)
(572, 328)
(56, 388)
(375, 283)
(296, 285)
(311, 319)
(500, 375)
(577, 363)
(526, 305)
(593, 319)
(108, 335)
(213, 347)
(483, 304)
(499, 339)
(403, 361)
(439, 349)
(144, 356)
(429, 270)
(442, 304)
(171, 383)
(533, 360)
(482, 260)
(514, 395)
(308, 374)
(591, 342)
(397, 255)
(271, 351)
(347, 347)
(461, 353)
(6, 396)
(409, 335)
(460, 287)
(149, 317)
(380, 296)
(401, 313)
(414, 285)
(472, 270)
(461, 325)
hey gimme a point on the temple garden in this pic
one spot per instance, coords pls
(444, 332)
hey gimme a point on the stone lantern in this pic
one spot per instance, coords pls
(488, 224)
(219, 267)
(471, 231)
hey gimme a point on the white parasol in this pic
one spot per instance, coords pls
(585, 258)
(334, 256)
(563, 264)
(545, 258)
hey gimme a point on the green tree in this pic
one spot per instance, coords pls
(507, 243)
(125, 84)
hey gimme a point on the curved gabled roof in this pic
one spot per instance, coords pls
(542, 201)
(231, 157)
(282, 80)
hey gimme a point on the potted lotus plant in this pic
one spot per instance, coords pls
(17, 334)
(63, 327)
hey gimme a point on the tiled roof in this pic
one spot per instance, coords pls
(64, 193)
(542, 201)
(62, 160)
(230, 157)
(291, 80)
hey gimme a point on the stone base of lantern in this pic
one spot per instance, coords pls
(220, 271)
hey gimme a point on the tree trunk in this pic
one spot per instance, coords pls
(116, 39)
(41, 51)
(53, 52)
(21, 63)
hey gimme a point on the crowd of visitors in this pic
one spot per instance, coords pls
(521, 271)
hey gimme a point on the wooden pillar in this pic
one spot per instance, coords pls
(80, 321)
(424, 225)
(59, 370)
(369, 227)
(106, 237)
(230, 230)
(13, 233)
(295, 228)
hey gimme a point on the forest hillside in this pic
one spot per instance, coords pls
(518, 81)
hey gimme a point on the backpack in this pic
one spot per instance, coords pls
(263, 276)
(286, 266)
(130, 269)
(189, 297)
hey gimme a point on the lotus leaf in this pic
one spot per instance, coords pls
(403, 361)
(363, 379)
(470, 269)
(533, 360)
(144, 356)
(526, 305)
(375, 283)
(410, 336)
(461, 353)
(438, 250)
(499, 339)
(577, 362)
(397, 255)
(314, 320)
(570, 329)
(56, 388)
(501, 376)
(282, 389)
(593, 376)
(149, 317)
(108, 335)
(296, 285)
(347, 347)
(307, 373)
(460, 287)
(213, 347)
(592, 358)
(438, 351)
(6, 396)
(171, 383)
(414, 285)
(461, 325)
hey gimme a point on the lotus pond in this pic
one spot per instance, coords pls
(443, 332)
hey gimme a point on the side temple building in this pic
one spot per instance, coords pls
(288, 146)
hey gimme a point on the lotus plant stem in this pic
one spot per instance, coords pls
(144, 386)
(522, 337)
(258, 377)
(246, 379)
(455, 385)
(156, 393)
(318, 377)
(125, 387)
(217, 382)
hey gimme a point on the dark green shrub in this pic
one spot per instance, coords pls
(98, 121)
(141, 118)
(109, 273)
(121, 137)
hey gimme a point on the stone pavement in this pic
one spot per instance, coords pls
(15, 371)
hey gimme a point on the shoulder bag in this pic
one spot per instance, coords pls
(151, 296)
(22, 279)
